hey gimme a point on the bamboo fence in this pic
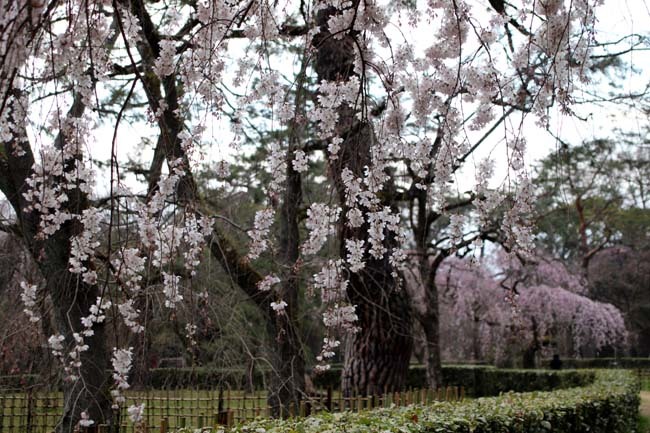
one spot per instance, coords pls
(165, 411)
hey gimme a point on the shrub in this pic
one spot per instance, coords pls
(629, 363)
(488, 381)
(481, 380)
(477, 380)
(608, 405)
(202, 378)
(18, 381)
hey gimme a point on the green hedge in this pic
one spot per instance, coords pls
(480, 381)
(608, 405)
(628, 363)
(18, 381)
(477, 380)
(202, 378)
(488, 381)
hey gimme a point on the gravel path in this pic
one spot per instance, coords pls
(645, 403)
(644, 409)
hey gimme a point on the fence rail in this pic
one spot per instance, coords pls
(39, 412)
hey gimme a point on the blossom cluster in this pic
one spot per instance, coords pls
(259, 234)
(321, 223)
(29, 298)
(121, 361)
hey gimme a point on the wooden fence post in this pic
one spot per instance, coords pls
(328, 401)
(164, 424)
(231, 418)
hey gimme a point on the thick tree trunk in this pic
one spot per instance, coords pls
(90, 392)
(71, 297)
(429, 316)
(431, 326)
(378, 355)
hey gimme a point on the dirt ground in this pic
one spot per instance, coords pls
(645, 405)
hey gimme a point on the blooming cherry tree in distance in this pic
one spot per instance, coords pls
(498, 313)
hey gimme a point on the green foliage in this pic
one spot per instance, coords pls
(488, 381)
(18, 381)
(203, 378)
(477, 380)
(644, 424)
(575, 180)
(608, 405)
(629, 363)
(481, 380)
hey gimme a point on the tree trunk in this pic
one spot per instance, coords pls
(71, 297)
(433, 365)
(423, 294)
(90, 392)
(287, 381)
(476, 338)
(377, 356)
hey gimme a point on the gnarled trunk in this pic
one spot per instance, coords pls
(423, 295)
(71, 297)
(377, 356)
(90, 392)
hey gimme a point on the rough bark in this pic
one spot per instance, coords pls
(71, 297)
(377, 356)
(423, 294)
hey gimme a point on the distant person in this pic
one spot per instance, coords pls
(556, 363)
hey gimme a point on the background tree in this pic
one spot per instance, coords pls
(534, 310)
(593, 208)
(620, 276)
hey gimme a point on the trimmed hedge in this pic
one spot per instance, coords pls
(201, 378)
(489, 381)
(480, 381)
(18, 381)
(477, 380)
(628, 363)
(608, 405)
